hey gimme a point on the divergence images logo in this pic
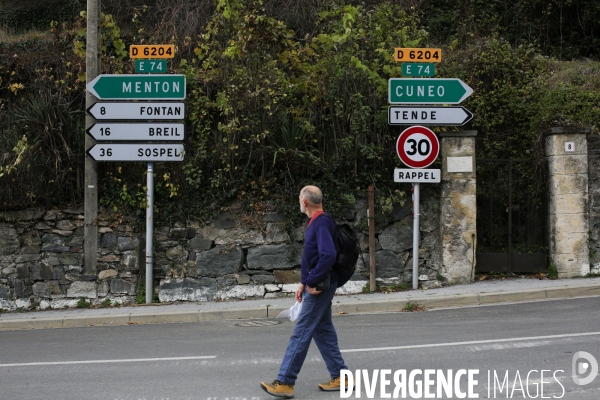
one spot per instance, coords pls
(581, 367)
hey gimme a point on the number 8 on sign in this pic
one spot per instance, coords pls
(417, 147)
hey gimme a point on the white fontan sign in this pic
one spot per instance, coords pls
(137, 111)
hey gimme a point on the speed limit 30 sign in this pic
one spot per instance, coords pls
(417, 147)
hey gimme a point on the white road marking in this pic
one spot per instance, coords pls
(518, 345)
(475, 342)
(107, 361)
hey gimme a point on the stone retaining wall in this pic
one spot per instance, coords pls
(41, 257)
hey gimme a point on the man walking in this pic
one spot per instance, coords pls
(314, 321)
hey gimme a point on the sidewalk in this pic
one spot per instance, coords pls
(479, 293)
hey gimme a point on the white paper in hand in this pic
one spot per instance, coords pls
(292, 313)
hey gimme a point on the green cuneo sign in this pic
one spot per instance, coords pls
(150, 66)
(418, 69)
(138, 87)
(427, 91)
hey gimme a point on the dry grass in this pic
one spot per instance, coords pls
(6, 36)
(582, 74)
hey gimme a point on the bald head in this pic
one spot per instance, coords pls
(313, 194)
(311, 200)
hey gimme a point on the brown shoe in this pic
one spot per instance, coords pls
(278, 389)
(332, 385)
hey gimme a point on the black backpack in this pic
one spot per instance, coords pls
(348, 250)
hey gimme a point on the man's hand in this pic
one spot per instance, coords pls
(299, 293)
(313, 291)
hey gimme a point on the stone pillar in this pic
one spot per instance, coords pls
(568, 213)
(458, 214)
(593, 140)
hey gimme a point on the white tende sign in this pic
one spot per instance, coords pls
(426, 115)
(460, 164)
(417, 175)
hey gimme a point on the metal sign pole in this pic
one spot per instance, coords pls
(149, 230)
(415, 236)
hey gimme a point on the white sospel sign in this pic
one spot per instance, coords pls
(140, 132)
(137, 111)
(136, 152)
(417, 175)
(423, 115)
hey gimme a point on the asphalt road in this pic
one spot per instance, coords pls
(221, 360)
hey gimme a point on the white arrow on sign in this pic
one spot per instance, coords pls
(140, 132)
(417, 175)
(146, 152)
(423, 115)
(130, 110)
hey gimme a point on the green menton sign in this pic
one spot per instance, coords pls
(427, 91)
(138, 87)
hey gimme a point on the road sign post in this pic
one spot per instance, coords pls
(151, 86)
(416, 235)
(149, 231)
(417, 147)
(427, 91)
(90, 189)
(427, 115)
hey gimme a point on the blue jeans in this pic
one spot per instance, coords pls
(315, 323)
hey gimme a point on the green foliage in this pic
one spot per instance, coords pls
(283, 94)
(552, 271)
(563, 29)
(48, 154)
(265, 105)
(569, 95)
(83, 303)
(503, 101)
(19, 151)
(140, 295)
(112, 47)
(387, 203)
(21, 16)
(105, 303)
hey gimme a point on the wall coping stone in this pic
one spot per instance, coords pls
(567, 131)
(458, 134)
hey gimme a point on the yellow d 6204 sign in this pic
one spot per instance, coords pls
(151, 51)
(418, 55)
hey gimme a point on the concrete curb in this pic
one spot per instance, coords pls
(352, 307)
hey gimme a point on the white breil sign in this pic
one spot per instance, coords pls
(136, 152)
(142, 132)
(137, 111)
(417, 175)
